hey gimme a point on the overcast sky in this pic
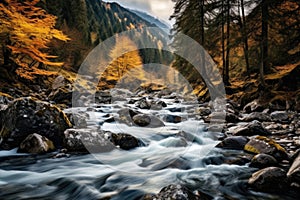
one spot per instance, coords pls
(162, 9)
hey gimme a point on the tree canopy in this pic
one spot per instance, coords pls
(27, 29)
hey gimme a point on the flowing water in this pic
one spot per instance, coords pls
(122, 175)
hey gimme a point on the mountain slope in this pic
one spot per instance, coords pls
(155, 21)
(87, 23)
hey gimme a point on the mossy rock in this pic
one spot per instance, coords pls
(27, 115)
(261, 144)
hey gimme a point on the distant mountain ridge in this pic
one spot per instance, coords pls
(89, 22)
(151, 19)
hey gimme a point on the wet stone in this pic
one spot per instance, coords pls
(264, 180)
(280, 116)
(261, 144)
(149, 121)
(249, 129)
(294, 171)
(87, 140)
(262, 161)
(25, 116)
(124, 141)
(36, 144)
(234, 142)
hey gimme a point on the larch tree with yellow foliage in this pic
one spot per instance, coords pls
(127, 66)
(25, 31)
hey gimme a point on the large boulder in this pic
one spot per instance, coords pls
(36, 144)
(271, 179)
(25, 116)
(87, 140)
(261, 144)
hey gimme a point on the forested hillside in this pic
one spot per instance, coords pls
(93, 105)
(256, 44)
(76, 28)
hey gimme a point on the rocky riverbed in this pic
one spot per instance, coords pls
(149, 144)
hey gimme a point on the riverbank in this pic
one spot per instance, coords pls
(153, 133)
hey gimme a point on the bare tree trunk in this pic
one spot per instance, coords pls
(264, 42)
(226, 80)
(223, 42)
(245, 37)
(265, 33)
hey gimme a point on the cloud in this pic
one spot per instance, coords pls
(142, 4)
(158, 8)
(162, 8)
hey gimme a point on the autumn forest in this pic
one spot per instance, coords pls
(81, 119)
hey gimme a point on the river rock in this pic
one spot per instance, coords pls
(262, 117)
(87, 140)
(78, 119)
(158, 105)
(148, 121)
(203, 111)
(120, 93)
(61, 91)
(62, 95)
(249, 129)
(294, 171)
(26, 116)
(253, 106)
(36, 144)
(103, 96)
(262, 161)
(280, 116)
(142, 120)
(234, 142)
(261, 144)
(173, 118)
(143, 104)
(124, 141)
(222, 117)
(271, 179)
(126, 115)
(174, 192)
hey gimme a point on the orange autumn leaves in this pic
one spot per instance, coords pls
(29, 29)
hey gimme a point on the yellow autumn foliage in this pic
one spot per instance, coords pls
(28, 29)
(127, 64)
